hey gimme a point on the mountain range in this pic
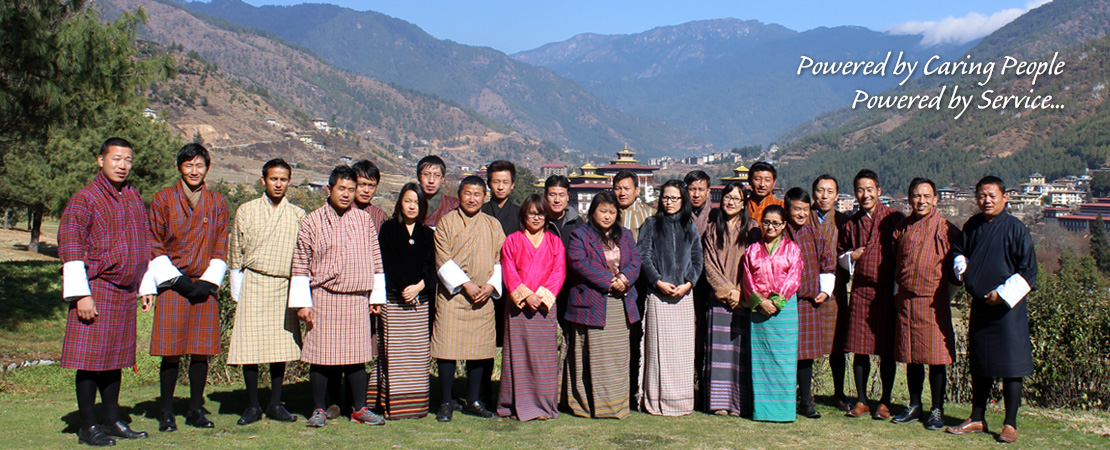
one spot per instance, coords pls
(530, 99)
(394, 121)
(1008, 142)
(733, 82)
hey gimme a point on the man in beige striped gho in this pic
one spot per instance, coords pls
(260, 258)
(468, 262)
(337, 280)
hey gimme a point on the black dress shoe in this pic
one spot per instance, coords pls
(280, 414)
(806, 409)
(251, 415)
(120, 429)
(94, 436)
(196, 418)
(478, 409)
(446, 410)
(167, 423)
(936, 419)
(911, 414)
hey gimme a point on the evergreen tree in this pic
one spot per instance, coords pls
(76, 83)
(1100, 245)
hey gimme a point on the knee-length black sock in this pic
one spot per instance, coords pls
(446, 379)
(915, 382)
(980, 393)
(167, 380)
(108, 382)
(356, 382)
(805, 380)
(476, 373)
(861, 370)
(250, 379)
(838, 365)
(198, 378)
(938, 383)
(86, 397)
(277, 382)
(1011, 392)
(318, 378)
(888, 368)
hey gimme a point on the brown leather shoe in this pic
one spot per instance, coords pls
(1008, 435)
(881, 413)
(859, 410)
(843, 404)
(970, 426)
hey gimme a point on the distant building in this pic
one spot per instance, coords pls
(946, 193)
(548, 170)
(740, 173)
(1066, 197)
(1081, 220)
(845, 203)
(626, 161)
(321, 124)
(584, 186)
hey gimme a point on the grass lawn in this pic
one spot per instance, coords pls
(38, 409)
(49, 421)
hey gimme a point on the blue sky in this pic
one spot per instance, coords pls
(512, 26)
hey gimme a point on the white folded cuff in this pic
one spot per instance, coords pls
(959, 265)
(215, 272)
(148, 286)
(827, 283)
(75, 281)
(163, 271)
(300, 292)
(1013, 290)
(845, 261)
(453, 277)
(495, 281)
(235, 280)
(377, 295)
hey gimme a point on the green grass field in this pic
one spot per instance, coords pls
(38, 409)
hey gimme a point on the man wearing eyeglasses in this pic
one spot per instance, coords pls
(430, 172)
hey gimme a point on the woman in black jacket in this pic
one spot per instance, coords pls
(670, 247)
(408, 258)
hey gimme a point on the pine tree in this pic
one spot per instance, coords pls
(75, 86)
(1100, 245)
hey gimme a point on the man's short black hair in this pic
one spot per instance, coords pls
(367, 169)
(190, 151)
(796, 194)
(914, 183)
(824, 177)
(115, 142)
(695, 175)
(556, 181)
(501, 166)
(866, 174)
(342, 172)
(471, 180)
(431, 160)
(276, 163)
(763, 166)
(990, 179)
(626, 174)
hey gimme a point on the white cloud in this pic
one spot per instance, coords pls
(958, 30)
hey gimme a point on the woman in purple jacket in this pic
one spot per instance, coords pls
(604, 265)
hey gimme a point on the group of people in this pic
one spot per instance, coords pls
(742, 298)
